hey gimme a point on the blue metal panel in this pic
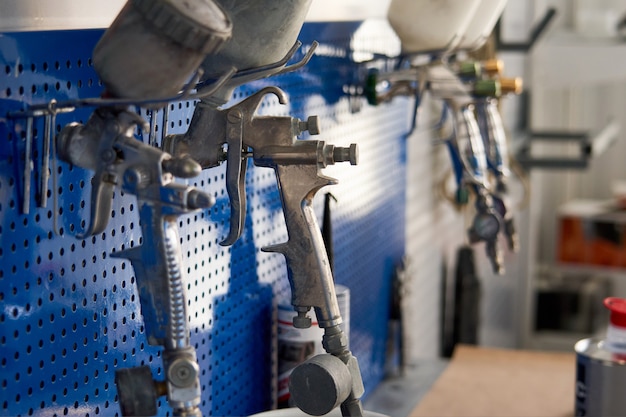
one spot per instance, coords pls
(69, 312)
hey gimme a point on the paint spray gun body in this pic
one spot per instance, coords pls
(173, 38)
(469, 159)
(263, 32)
(496, 145)
(106, 145)
(271, 142)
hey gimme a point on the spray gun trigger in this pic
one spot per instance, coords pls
(235, 175)
(101, 204)
(235, 185)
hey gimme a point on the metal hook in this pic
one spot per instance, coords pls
(71, 105)
(28, 166)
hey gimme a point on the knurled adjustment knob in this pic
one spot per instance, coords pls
(469, 69)
(350, 154)
(493, 67)
(487, 88)
(200, 25)
(511, 85)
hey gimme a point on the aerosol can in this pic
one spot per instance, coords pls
(601, 367)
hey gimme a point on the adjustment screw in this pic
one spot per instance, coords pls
(312, 125)
(350, 154)
(136, 177)
(183, 372)
(301, 321)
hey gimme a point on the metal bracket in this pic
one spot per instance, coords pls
(538, 29)
(53, 107)
(590, 145)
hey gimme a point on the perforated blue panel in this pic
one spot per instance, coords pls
(70, 313)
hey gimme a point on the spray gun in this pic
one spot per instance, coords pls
(322, 383)
(494, 137)
(106, 145)
(487, 86)
(470, 165)
(264, 39)
(174, 37)
(467, 150)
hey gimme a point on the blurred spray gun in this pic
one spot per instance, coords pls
(488, 86)
(430, 31)
(145, 57)
(497, 150)
(265, 31)
(469, 161)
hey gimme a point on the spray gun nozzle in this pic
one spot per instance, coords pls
(182, 167)
(350, 154)
(199, 200)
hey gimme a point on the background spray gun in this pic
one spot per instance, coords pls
(322, 383)
(496, 146)
(469, 159)
(487, 86)
(174, 37)
(465, 143)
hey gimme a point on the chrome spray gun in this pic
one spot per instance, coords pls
(496, 146)
(174, 38)
(106, 145)
(465, 143)
(264, 38)
(324, 382)
(469, 157)
(487, 87)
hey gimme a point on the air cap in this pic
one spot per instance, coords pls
(617, 306)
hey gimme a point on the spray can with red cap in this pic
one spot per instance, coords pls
(601, 367)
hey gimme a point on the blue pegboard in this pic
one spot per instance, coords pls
(70, 315)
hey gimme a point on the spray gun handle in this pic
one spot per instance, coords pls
(473, 151)
(487, 222)
(310, 276)
(158, 262)
(297, 165)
